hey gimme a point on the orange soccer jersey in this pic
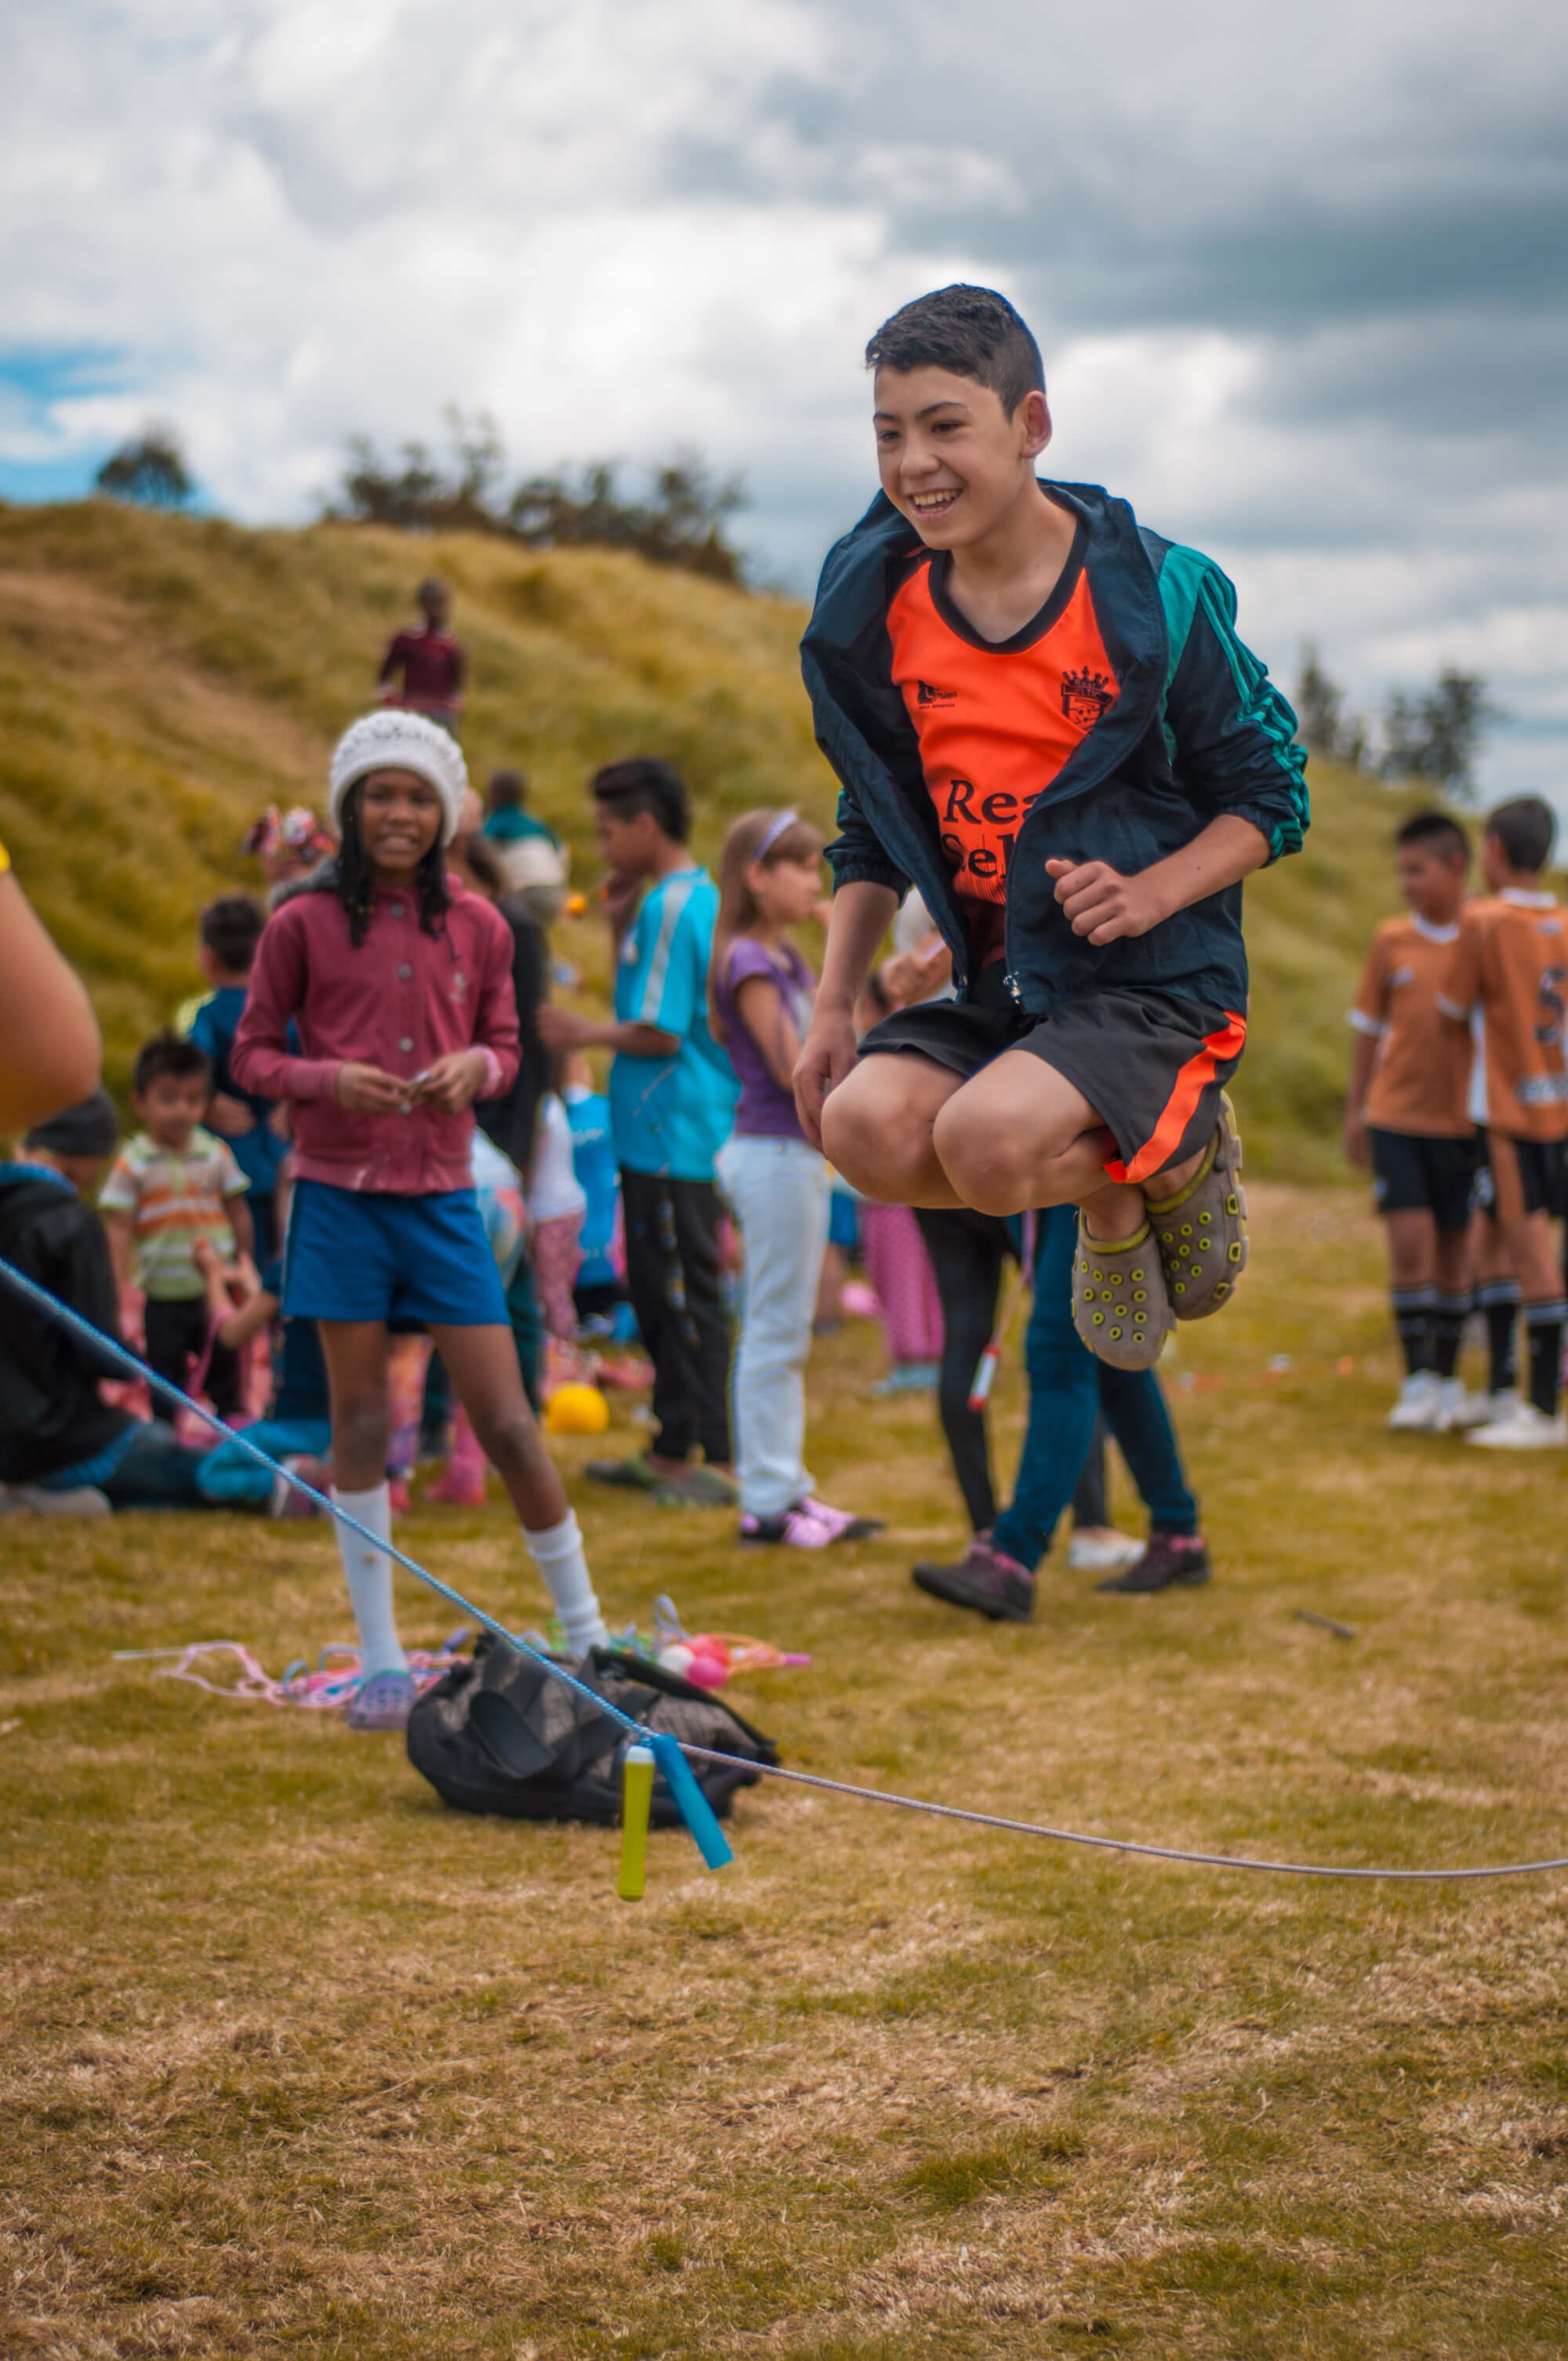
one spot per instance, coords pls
(1421, 1078)
(996, 721)
(1512, 963)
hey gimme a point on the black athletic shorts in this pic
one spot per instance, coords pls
(1414, 1175)
(1151, 1064)
(1543, 1169)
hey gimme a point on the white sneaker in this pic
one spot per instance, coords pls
(1525, 1429)
(1416, 1410)
(1108, 1555)
(1457, 1409)
(82, 1500)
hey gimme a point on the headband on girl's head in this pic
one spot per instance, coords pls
(775, 830)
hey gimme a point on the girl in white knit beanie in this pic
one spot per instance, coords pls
(398, 983)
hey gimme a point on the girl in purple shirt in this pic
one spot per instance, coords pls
(760, 993)
(398, 984)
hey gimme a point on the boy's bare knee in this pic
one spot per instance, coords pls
(854, 1141)
(983, 1160)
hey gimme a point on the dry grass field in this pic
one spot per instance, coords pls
(297, 2061)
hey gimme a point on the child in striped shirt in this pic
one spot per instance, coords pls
(171, 1185)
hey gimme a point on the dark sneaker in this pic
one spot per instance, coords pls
(985, 1579)
(1169, 1558)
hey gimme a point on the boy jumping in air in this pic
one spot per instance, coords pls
(1408, 1117)
(1041, 717)
(1511, 964)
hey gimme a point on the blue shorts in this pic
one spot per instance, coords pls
(357, 1254)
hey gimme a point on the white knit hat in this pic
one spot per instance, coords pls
(395, 740)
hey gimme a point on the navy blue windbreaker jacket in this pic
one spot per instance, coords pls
(1198, 730)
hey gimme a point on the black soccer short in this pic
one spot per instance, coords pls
(1415, 1175)
(1151, 1064)
(1542, 1167)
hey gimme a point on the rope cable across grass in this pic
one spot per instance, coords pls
(671, 1752)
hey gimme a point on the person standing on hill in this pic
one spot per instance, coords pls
(431, 661)
(672, 1097)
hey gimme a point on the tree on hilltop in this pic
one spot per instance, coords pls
(149, 470)
(682, 522)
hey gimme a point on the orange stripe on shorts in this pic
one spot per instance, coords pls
(1190, 1084)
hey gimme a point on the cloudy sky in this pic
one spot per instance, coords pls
(1297, 270)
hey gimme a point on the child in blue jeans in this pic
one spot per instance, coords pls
(1069, 1388)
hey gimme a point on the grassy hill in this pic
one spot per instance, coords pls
(163, 677)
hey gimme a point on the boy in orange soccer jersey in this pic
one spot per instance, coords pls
(1512, 963)
(1041, 717)
(1407, 1118)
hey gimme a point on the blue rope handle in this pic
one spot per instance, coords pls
(696, 1809)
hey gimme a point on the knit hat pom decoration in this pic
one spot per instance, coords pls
(395, 740)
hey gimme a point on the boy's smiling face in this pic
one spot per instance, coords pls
(170, 1107)
(950, 458)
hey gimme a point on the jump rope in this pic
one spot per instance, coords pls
(659, 1749)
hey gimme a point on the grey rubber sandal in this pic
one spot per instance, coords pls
(1201, 1231)
(1120, 1307)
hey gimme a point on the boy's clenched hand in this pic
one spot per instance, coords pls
(1101, 903)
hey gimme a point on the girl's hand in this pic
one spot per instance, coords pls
(367, 1090)
(453, 1083)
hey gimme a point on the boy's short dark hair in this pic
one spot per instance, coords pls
(1525, 828)
(433, 587)
(231, 929)
(167, 1053)
(972, 330)
(1439, 832)
(644, 784)
(508, 791)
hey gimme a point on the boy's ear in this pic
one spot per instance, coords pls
(1034, 414)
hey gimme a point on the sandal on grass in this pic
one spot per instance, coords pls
(1201, 1231)
(697, 1487)
(1120, 1307)
(633, 1473)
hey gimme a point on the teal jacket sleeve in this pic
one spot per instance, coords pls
(1230, 735)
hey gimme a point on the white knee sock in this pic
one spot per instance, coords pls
(369, 1574)
(558, 1555)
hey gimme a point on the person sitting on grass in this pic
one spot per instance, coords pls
(173, 1183)
(1042, 718)
(398, 982)
(64, 1449)
(297, 1430)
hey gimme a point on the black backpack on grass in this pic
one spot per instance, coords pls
(497, 1734)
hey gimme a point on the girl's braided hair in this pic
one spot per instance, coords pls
(352, 882)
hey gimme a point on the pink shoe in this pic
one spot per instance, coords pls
(456, 1489)
(397, 1495)
(809, 1524)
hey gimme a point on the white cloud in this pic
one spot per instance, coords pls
(1289, 265)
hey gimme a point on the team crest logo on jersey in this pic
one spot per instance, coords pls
(1085, 696)
(925, 694)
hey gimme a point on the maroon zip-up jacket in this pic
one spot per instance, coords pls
(399, 1001)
